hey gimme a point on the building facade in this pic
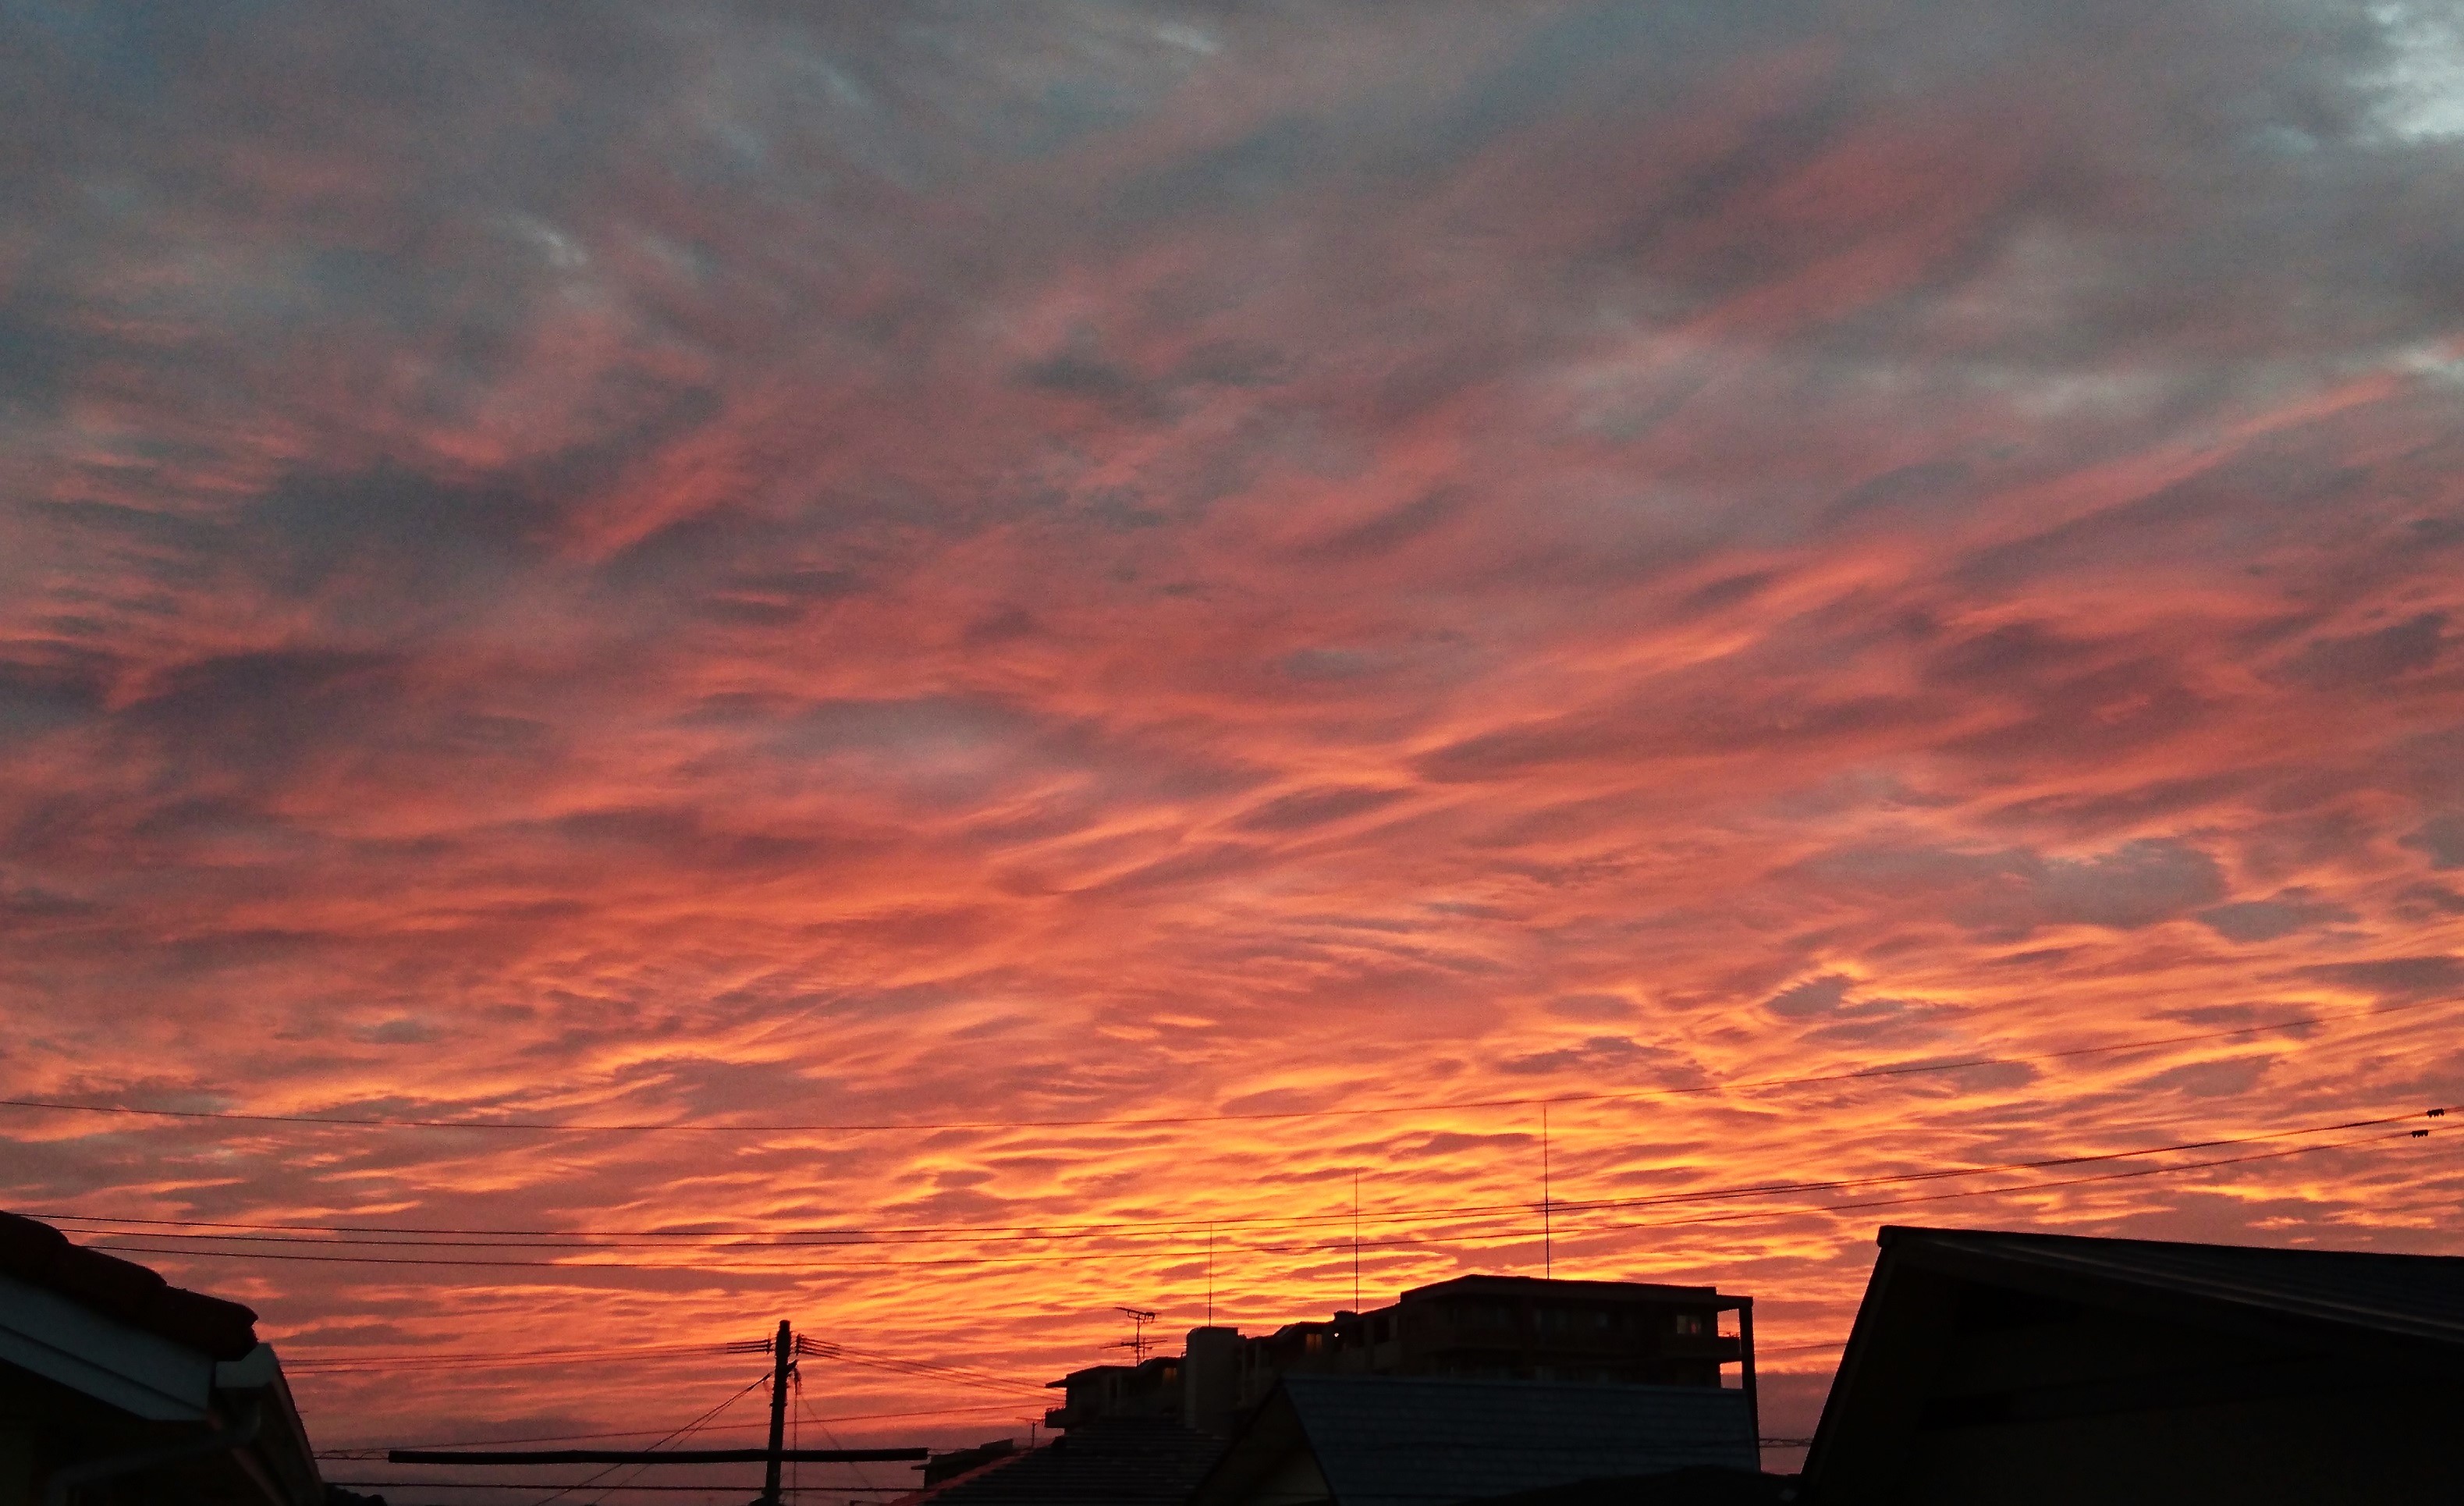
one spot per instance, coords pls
(1477, 1327)
(117, 1389)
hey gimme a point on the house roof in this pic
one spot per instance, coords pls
(1420, 1440)
(2411, 1297)
(2337, 1318)
(40, 1255)
(1112, 1461)
(1703, 1485)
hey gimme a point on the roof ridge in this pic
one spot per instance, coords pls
(39, 1255)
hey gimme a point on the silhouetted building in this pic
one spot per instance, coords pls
(1149, 1388)
(1699, 1485)
(1371, 1440)
(954, 1462)
(1478, 1327)
(1114, 1461)
(2006, 1369)
(117, 1388)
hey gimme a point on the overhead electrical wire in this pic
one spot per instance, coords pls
(857, 1238)
(1570, 1207)
(704, 1490)
(1574, 1206)
(848, 1354)
(2103, 1177)
(924, 1370)
(948, 1372)
(310, 1360)
(1645, 1095)
(819, 1235)
(2034, 1186)
(374, 1452)
(683, 1431)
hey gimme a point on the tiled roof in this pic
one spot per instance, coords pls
(1112, 1461)
(2418, 1297)
(39, 1255)
(1417, 1441)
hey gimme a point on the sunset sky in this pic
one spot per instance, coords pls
(958, 617)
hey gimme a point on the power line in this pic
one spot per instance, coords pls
(173, 1229)
(1407, 1217)
(314, 1362)
(532, 1485)
(2032, 1186)
(800, 1237)
(826, 1350)
(1660, 1200)
(372, 1452)
(2018, 1188)
(531, 1126)
(683, 1431)
(348, 1364)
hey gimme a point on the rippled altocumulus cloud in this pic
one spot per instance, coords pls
(1090, 561)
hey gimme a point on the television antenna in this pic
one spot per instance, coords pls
(1137, 1342)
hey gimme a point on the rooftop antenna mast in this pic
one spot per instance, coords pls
(1548, 1222)
(1356, 1239)
(1137, 1341)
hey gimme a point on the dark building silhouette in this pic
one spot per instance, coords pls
(116, 1387)
(1697, 1485)
(2012, 1370)
(1478, 1327)
(1378, 1440)
(1112, 1461)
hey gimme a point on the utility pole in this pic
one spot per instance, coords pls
(1548, 1224)
(785, 1362)
(782, 1370)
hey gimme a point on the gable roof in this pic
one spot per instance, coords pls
(1421, 1440)
(2359, 1314)
(2418, 1298)
(40, 1255)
